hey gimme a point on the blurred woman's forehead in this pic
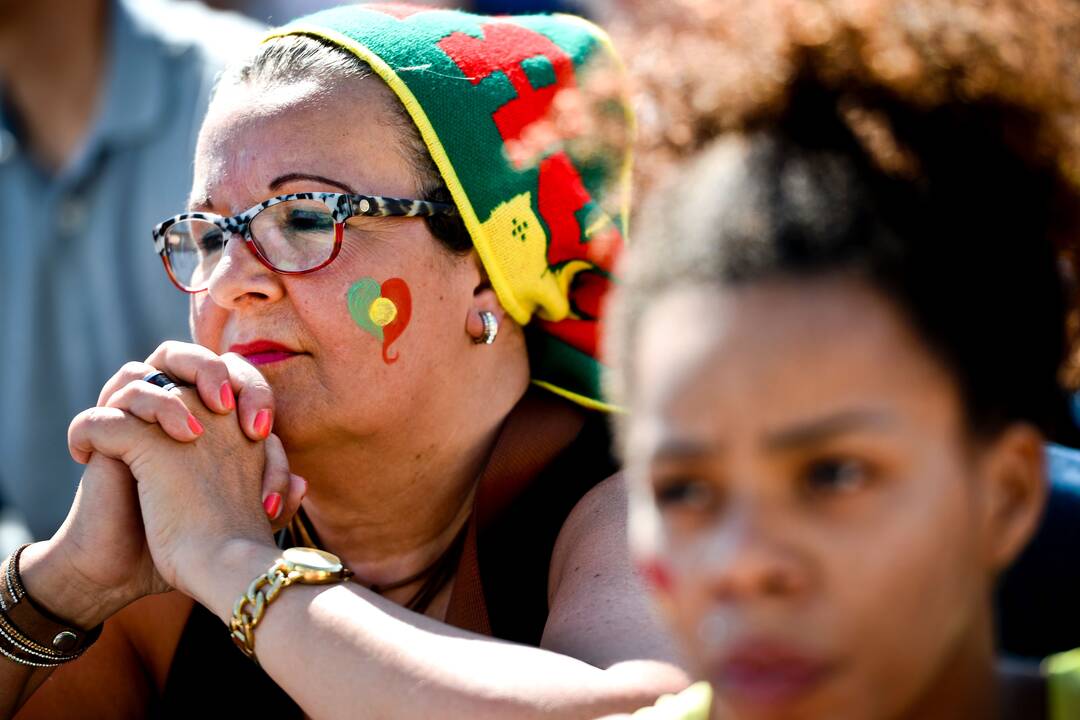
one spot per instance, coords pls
(758, 356)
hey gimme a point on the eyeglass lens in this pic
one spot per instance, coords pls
(292, 236)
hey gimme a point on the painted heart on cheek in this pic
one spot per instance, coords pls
(396, 292)
(361, 295)
(382, 311)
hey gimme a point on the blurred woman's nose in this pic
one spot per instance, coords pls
(750, 556)
(240, 277)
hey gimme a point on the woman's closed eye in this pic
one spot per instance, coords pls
(306, 221)
(210, 242)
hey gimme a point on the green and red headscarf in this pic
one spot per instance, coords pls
(526, 121)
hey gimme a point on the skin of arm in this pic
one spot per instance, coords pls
(97, 565)
(338, 648)
(405, 665)
(125, 669)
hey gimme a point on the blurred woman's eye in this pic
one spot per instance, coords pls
(836, 475)
(687, 493)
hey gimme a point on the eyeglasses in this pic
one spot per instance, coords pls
(290, 234)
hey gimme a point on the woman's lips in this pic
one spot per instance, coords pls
(263, 352)
(766, 673)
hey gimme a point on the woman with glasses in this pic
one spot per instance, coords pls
(400, 235)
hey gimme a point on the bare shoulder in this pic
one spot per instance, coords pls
(122, 673)
(599, 610)
(596, 525)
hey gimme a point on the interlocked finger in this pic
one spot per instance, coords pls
(155, 404)
(102, 430)
(130, 372)
(224, 382)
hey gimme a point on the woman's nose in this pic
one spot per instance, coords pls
(240, 277)
(751, 557)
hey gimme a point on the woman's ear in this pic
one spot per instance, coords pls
(484, 300)
(1016, 491)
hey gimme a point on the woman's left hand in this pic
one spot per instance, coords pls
(196, 497)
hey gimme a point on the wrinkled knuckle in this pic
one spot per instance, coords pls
(167, 348)
(217, 365)
(159, 353)
(243, 370)
(177, 401)
(206, 366)
(96, 417)
(124, 396)
(132, 369)
(263, 388)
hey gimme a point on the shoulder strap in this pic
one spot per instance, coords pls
(538, 428)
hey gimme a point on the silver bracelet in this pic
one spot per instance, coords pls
(27, 662)
(15, 588)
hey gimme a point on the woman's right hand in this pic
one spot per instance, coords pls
(224, 383)
(99, 561)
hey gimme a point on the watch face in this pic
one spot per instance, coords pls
(316, 565)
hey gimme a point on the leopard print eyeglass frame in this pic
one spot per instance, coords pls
(301, 233)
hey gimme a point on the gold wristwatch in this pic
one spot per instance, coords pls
(306, 566)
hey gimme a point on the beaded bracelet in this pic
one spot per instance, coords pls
(12, 578)
(21, 619)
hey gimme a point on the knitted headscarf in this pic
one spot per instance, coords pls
(526, 121)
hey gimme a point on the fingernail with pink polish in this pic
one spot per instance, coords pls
(272, 505)
(194, 425)
(228, 401)
(262, 423)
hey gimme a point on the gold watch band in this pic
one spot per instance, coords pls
(296, 565)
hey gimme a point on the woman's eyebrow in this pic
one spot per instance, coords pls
(824, 428)
(290, 177)
(674, 450)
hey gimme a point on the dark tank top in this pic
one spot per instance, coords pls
(549, 454)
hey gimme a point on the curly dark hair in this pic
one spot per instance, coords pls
(705, 67)
(926, 148)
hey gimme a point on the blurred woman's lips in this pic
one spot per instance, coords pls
(263, 352)
(768, 673)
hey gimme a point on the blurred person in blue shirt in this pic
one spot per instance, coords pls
(100, 103)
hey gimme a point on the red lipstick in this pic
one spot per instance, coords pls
(263, 352)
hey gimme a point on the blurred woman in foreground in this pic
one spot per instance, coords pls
(841, 339)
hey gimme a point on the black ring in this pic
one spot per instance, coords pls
(162, 380)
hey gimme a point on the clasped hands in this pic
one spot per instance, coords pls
(173, 476)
